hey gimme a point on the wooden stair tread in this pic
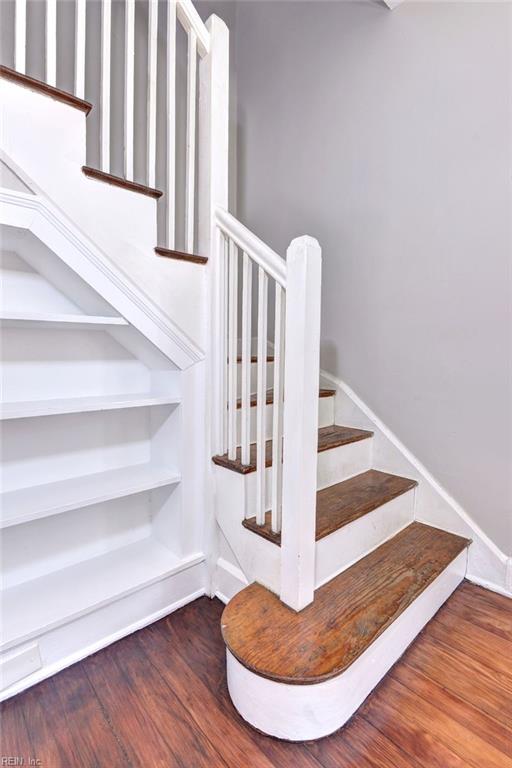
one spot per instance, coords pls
(254, 358)
(347, 615)
(344, 502)
(47, 90)
(269, 400)
(118, 181)
(328, 437)
(168, 253)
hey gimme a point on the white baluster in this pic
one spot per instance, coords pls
(191, 142)
(152, 71)
(106, 31)
(171, 123)
(20, 36)
(302, 330)
(232, 348)
(224, 340)
(261, 395)
(246, 360)
(51, 42)
(80, 25)
(277, 415)
(129, 84)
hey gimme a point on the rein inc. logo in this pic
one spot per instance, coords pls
(16, 760)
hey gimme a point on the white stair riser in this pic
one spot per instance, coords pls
(341, 549)
(303, 712)
(325, 418)
(259, 559)
(334, 466)
(254, 376)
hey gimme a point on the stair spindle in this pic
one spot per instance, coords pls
(129, 87)
(51, 42)
(20, 36)
(262, 395)
(246, 360)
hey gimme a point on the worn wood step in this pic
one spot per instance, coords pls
(169, 253)
(6, 73)
(344, 502)
(347, 615)
(118, 181)
(328, 437)
(269, 400)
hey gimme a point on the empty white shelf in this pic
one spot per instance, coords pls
(42, 604)
(59, 321)
(31, 408)
(26, 504)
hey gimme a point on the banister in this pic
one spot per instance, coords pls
(191, 20)
(259, 252)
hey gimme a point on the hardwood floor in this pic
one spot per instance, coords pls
(159, 698)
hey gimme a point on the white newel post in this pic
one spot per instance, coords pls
(301, 377)
(213, 158)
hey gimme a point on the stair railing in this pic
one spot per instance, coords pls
(161, 39)
(242, 263)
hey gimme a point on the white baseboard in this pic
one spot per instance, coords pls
(488, 565)
(228, 580)
(68, 644)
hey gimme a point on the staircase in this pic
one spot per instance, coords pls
(164, 414)
(379, 578)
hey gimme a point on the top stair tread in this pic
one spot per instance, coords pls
(328, 437)
(343, 503)
(347, 615)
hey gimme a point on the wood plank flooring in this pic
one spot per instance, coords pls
(159, 698)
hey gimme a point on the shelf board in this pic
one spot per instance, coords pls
(40, 605)
(27, 504)
(57, 321)
(32, 408)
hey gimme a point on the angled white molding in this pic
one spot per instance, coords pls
(393, 3)
(37, 214)
(488, 566)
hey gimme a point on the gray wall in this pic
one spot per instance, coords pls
(388, 137)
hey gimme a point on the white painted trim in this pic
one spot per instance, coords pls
(304, 712)
(191, 20)
(88, 650)
(229, 580)
(418, 466)
(265, 257)
(36, 213)
(491, 586)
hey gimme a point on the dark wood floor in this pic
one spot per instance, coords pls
(159, 698)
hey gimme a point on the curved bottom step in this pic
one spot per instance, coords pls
(306, 712)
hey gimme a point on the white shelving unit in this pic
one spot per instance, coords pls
(34, 503)
(94, 526)
(58, 321)
(60, 406)
(39, 606)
